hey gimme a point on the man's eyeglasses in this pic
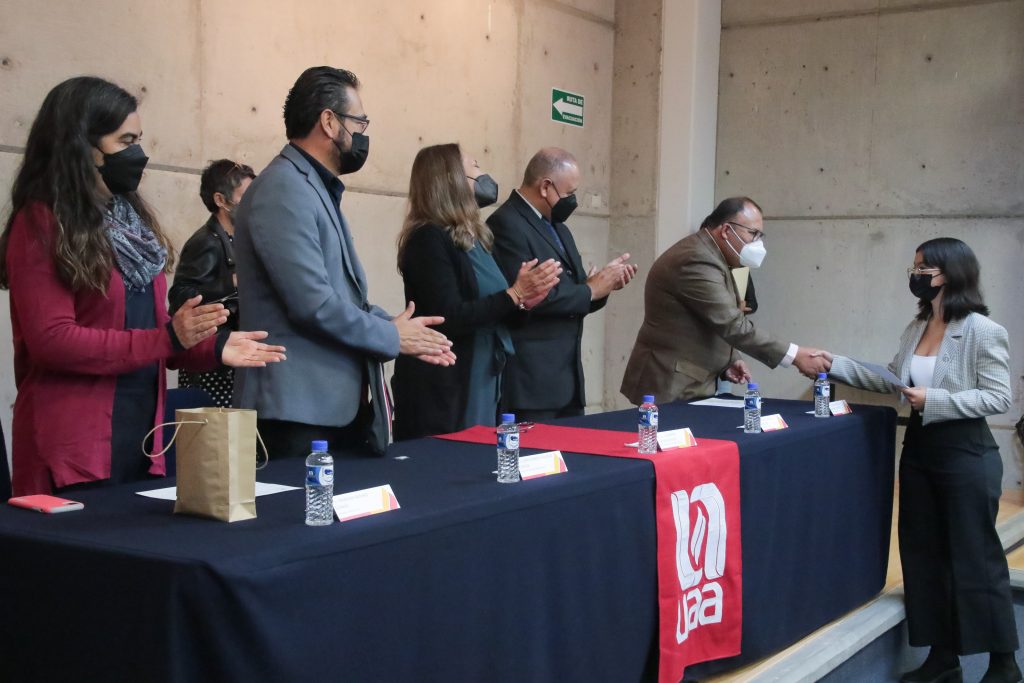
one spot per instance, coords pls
(361, 121)
(922, 270)
(757, 234)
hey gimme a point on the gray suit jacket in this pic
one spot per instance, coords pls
(300, 280)
(692, 326)
(972, 371)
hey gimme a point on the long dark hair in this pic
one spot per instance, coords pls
(962, 293)
(58, 170)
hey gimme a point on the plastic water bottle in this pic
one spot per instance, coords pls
(752, 410)
(822, 394)
(508, 449)
(647, 426)
(319, 486)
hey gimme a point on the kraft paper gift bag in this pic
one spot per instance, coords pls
(216, 463)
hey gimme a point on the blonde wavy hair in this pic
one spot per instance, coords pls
(440, 195)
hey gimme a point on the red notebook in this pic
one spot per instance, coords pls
(47, 504)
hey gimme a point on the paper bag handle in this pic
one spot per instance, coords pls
(170, 442)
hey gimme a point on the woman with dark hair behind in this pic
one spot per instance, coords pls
(84, 259)
(444, 255)
(955, 363)
(207, 265)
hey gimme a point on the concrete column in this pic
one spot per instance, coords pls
(664, 101)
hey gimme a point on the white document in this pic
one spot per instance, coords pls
(366, 502)
(541, 465)
(882, 372)
(171, 492)
(676, 438)
(720, 402)
(741, 276)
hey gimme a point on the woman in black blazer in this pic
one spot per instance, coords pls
(207, 264)
(447, 268)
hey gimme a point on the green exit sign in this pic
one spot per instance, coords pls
(566, 107)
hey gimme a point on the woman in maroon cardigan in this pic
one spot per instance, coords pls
(84, 259)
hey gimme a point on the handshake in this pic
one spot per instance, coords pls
(807, 360)
(812, 361)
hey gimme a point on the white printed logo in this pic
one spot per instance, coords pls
(700, 556)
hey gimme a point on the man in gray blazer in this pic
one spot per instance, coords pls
(299, 277)
(694, 322)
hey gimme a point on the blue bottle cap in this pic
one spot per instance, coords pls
(506, 418)
(822, 375)
(648, 398)
(752, 386)
(319, 446)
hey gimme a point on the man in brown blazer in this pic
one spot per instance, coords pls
(694, 322)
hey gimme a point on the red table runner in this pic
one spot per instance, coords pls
(697, 512)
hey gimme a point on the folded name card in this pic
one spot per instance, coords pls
(772, 423)
(365, 503)
(541, 465)
(840, 408)
(676, 438)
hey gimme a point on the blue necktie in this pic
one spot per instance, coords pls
(554, 234)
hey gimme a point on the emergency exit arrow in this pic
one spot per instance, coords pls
(563, 108)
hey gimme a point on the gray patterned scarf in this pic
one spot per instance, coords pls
(139, 254)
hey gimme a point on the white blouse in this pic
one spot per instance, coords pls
(922, 370)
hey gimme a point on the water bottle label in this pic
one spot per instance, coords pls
(822, 390)
(648, 418)
(752, 403)
(509, 441)
(319, 475)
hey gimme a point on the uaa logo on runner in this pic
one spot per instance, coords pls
(700, 556)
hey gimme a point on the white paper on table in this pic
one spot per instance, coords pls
(541, 465)
(366, 502)
(676, 438)
(882, 372)
(171, 492)
(720, 402)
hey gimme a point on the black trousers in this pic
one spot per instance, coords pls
(526, 415)
(955, 575)
(285, 439)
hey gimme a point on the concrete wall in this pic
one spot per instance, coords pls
(212, 77)
(865, 127)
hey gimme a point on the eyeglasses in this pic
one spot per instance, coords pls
(921, 270)
(758, 234)
(362, 121)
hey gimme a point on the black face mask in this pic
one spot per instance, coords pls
(485, 190)
(355, 157)
(921, 287)
(563, 208)
(122, 171)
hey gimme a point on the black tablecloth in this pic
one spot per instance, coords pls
(552, 579)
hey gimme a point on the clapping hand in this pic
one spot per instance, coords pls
(614, 276)
(193, 323)
(417, 339)
(244, 350)
(535, 281)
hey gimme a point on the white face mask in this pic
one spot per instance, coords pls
(752, 254)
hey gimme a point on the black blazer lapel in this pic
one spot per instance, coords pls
(538, 226)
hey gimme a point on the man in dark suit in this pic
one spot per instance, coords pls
(299, 276)
(544, 379)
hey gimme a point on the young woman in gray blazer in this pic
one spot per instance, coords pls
(955, 363)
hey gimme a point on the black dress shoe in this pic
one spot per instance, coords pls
(1003, 674)
(927, 674)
